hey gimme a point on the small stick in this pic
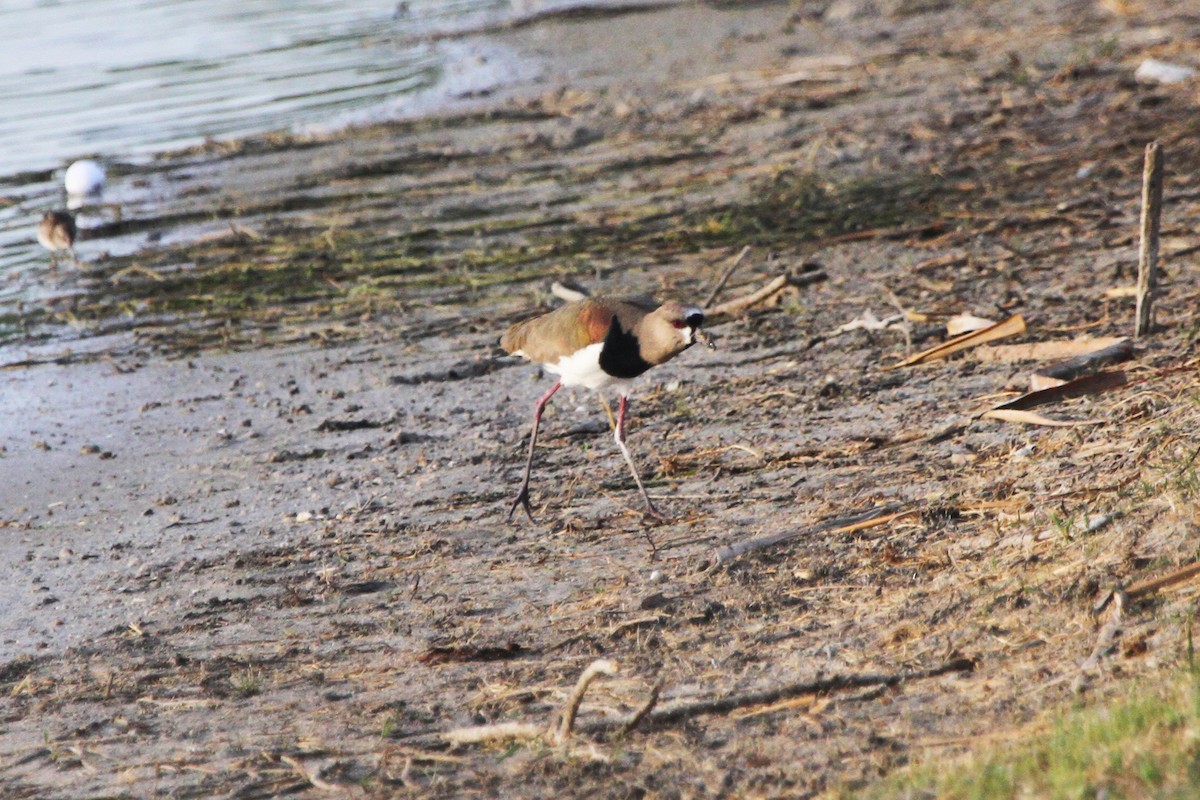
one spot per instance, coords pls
(487, 733)
(684, 710)
(833, 683)
(725, 276)
(778, 284)
(878, 515)
(601, 666)
(1105, 641)
(1152, 191)
(641, 713)
(313, 780)
(1156, 584)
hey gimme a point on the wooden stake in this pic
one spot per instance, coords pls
(1152, 192)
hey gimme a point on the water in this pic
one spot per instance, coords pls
(120, 80)
(124, 78)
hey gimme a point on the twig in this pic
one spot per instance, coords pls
(241, 230)
(1139, 590)
(135, 269)
(641, 713)
(601, 666)
(904, 325)
(725, 276)
(1152, 191)
(678, 712)
(1104, 643)
(314, 780)
(868, 518)
(486, 733)
(739, 304)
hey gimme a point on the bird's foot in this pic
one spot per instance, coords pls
(523, 501)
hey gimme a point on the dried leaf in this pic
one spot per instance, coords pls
(1080, 387)
(1045, 351)
(1118, 292)
(1033, 418)
(965, 323)
(1040, 382)
(1012, 326)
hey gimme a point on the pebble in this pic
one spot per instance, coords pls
(1154, 71)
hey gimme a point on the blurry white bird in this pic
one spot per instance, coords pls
(84, 178)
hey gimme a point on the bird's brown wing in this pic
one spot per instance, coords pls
(561, 332)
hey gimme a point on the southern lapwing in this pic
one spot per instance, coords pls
(56, 232)
(600, 342)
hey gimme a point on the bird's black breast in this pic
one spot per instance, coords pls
(620, 356)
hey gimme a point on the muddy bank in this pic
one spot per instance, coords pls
(256, 538)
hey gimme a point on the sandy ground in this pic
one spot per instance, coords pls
(256, 475)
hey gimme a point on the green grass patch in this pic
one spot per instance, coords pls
(265, 286)
(1143, 743)
(801, 206)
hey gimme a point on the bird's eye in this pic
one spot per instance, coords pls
(695, 319)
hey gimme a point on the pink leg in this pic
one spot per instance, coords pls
(620, 438)
(523, 494)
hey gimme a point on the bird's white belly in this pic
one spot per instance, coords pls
(582, 368)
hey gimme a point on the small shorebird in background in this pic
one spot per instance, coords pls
(599, 342)
(56, 233)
